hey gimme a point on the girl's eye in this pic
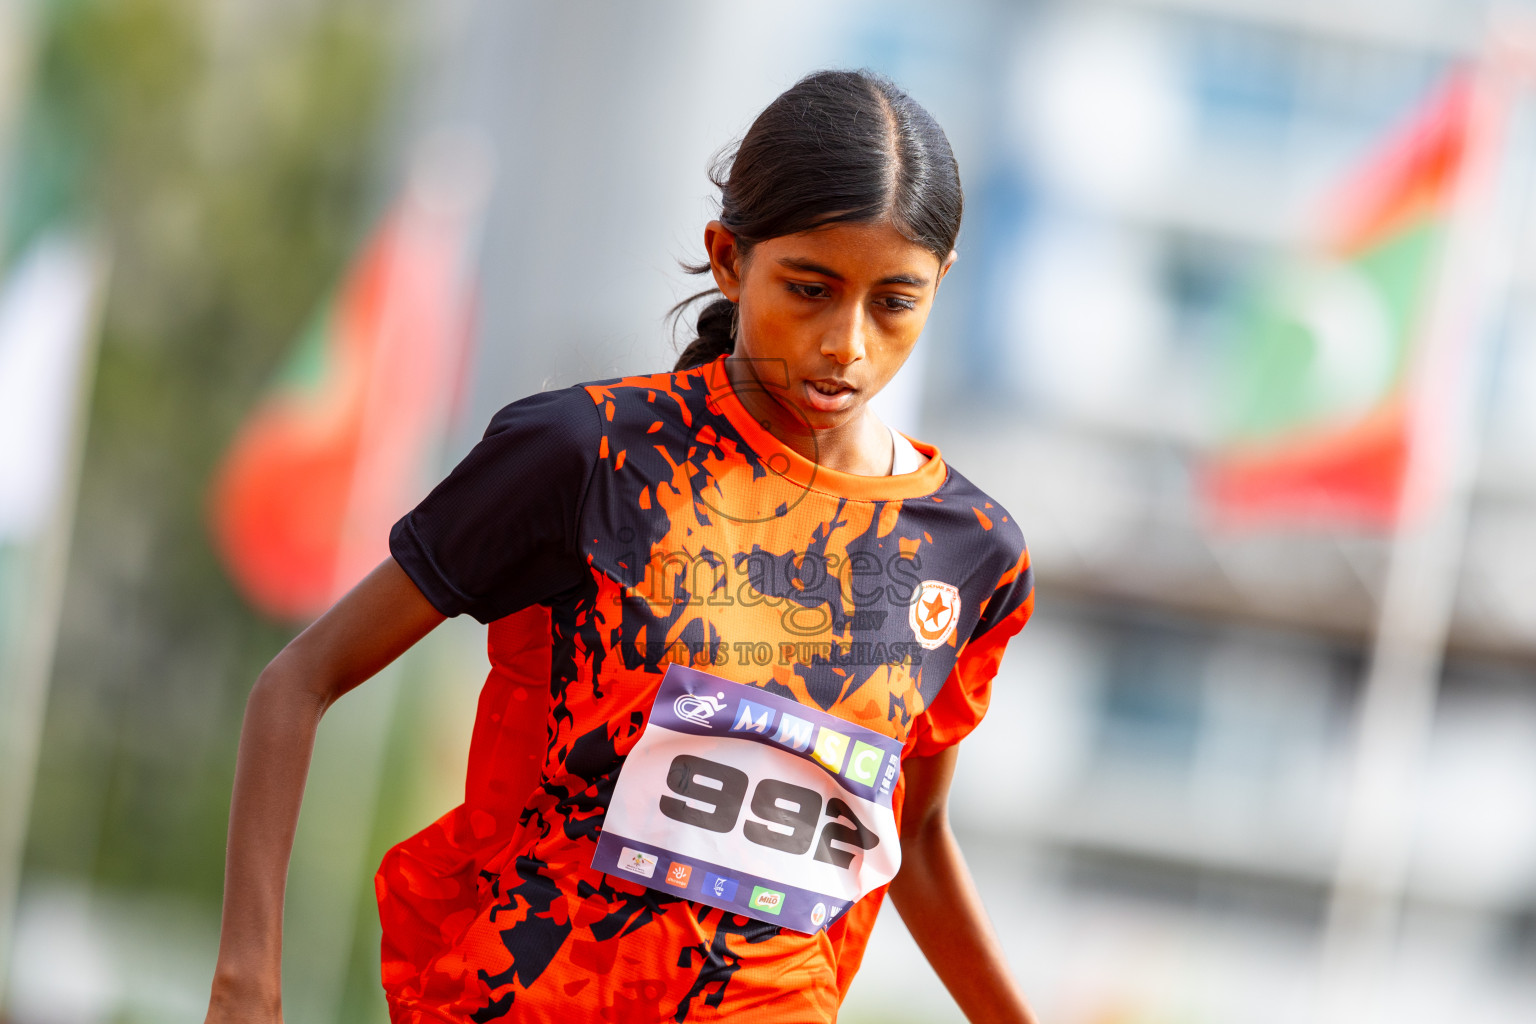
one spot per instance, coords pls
(808, 291)
(899, 303)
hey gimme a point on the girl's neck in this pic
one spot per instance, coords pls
(860, 445)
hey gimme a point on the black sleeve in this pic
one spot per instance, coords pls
(500, 532)
(1015, 590)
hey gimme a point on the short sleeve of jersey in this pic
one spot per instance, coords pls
(500, 532)
(962, 700)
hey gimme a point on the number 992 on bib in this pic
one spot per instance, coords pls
(744, 800)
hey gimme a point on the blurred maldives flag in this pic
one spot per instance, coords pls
(302, 505)
(1319, 412)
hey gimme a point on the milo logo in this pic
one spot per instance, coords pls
(768, 900)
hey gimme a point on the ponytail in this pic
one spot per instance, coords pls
(716, 332)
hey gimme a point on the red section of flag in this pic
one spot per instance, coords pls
(1352, 474)
(1409, 179)
(302, 506)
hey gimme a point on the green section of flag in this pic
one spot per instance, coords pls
(1328, 339)
(310, 363)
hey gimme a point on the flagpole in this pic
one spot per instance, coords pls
(1396, 711)
(18, 752)
(18, 35)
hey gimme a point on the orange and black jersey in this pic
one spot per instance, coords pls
(606, 532)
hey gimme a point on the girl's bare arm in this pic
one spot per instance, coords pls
(939, 903)
(364, 631)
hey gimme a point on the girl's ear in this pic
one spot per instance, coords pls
(949, 261)
(724, 259)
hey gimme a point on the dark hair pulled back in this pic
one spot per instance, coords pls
(836, 146)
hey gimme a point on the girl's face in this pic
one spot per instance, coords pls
(826, 316)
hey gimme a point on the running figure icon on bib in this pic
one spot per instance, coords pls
(754, 804)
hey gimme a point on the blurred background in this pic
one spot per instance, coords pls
(1243, 332)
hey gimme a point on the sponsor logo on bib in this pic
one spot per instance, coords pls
(768, 900)
(718, 887)
(934, 613)
(699, 710)
(794, 733)
(818, 914)
(751, 717)
(830, 748)
(864, 765)
(637, 863)
(679, 874)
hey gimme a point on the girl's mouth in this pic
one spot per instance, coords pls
(829, 395)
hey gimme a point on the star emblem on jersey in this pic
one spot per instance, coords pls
(934, 613)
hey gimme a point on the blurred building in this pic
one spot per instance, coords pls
(1180, 727)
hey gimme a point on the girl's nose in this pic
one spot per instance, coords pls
(844, 339)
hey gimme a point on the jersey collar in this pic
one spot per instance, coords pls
(795, 467)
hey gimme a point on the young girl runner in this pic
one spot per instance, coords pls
(737, 627)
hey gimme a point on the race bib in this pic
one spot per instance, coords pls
(753, 803)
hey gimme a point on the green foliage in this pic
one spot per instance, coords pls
(222, 150)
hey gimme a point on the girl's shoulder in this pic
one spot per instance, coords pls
(683, 396)
(564, 411)
(989, 513)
